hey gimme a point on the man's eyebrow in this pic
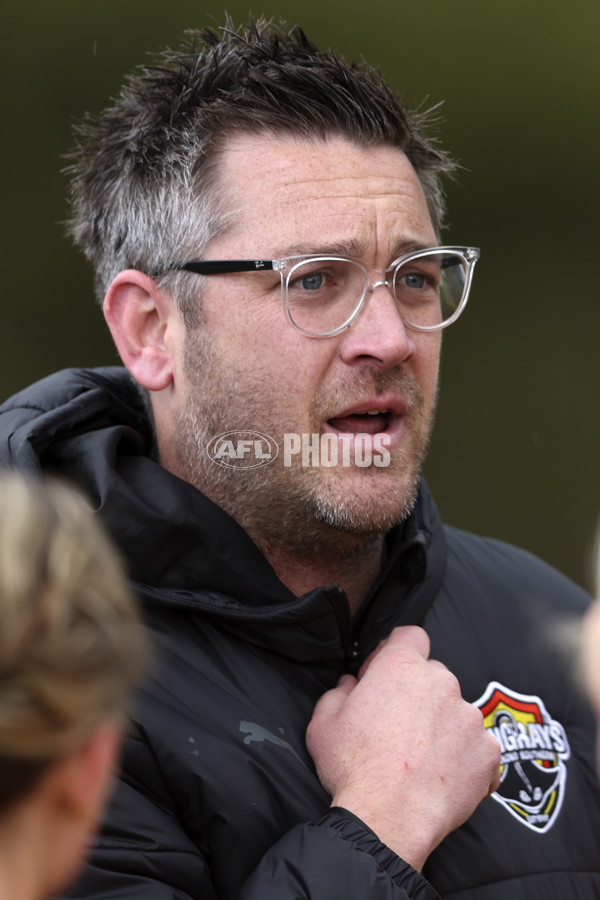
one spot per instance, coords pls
(352, 247)
(401, 248)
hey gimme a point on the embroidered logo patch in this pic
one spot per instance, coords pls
(534, 749)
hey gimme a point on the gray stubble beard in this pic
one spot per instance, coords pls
(293, 508)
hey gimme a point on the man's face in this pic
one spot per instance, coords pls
(246, 368)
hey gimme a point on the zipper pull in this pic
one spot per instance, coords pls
(352, 655)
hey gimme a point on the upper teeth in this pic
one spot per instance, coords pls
(376, 412)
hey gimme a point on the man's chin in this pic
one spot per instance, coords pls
(368, 508)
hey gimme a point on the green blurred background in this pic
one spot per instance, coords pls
(516, 449)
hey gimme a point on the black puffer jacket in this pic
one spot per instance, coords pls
(218, 795)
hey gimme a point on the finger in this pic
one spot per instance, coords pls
(332, 701)
(404, 637)
(371, 657)
(410, 637)
(496, 776)
(495, 782)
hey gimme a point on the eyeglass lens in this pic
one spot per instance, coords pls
(323, 294)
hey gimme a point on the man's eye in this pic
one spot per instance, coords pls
(415, 280)
(312, 282)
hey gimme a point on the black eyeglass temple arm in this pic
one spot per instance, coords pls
(222, 267)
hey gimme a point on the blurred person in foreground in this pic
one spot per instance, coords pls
(591, 652)
(339, 674)
(71, 651)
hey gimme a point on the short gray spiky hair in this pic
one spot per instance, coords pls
(145, 169)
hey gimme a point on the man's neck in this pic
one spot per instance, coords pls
(355, 573)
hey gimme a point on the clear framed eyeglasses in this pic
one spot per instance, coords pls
(324, 295)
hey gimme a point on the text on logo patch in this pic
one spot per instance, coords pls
(534, 748)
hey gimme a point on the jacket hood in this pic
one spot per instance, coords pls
(92, 427)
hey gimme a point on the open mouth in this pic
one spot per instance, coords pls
(377, 415)
(371, 422)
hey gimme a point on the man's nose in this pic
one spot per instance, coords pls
(379, 332)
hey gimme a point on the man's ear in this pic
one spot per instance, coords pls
(139, 315)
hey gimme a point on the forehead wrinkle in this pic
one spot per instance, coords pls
(366, 193)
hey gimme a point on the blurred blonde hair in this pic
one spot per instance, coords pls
(591, 638)
(71, 644)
